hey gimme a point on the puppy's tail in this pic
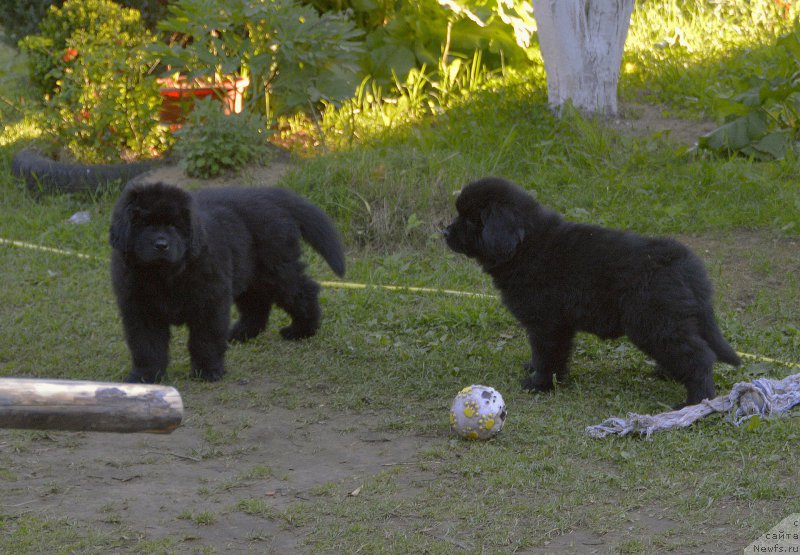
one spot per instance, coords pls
(713, 337)
(709, 330)
(318, 231)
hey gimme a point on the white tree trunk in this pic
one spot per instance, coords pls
(581, 43)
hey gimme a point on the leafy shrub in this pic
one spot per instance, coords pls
(211, 142)
(92, 64)
(27, 14)
(152, 10)
(291, 54)
(25, 17)
(102, 21)
(401, 36)
(763, 113)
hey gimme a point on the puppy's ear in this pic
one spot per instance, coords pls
(502, 233)
(119, 235)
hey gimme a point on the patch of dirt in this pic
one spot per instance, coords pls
(225, 492)
(641, 523)
(646, 120)
(254, 175)
(745, 263)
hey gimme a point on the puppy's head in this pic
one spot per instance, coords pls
(156, 224)
(491, 221)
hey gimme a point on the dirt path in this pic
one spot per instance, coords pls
(224, 489)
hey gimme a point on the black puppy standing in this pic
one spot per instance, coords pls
(558, 278)
(184, 258)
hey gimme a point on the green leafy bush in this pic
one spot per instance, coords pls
(211, 142)
(401, 36)
(25, 17)
(103, 22)
(291, 54)
(152, 10)
(93, 67)
(763, 113)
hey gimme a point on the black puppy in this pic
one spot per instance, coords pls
(558, 278)
(184, 258)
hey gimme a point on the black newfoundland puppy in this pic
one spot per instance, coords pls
(558, 278)
(184, 258)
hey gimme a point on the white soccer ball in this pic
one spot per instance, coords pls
(478, 412)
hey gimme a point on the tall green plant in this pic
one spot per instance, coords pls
(211, 141)
(375, 109)
(291, 54)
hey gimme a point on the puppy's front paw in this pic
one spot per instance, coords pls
(538, 381)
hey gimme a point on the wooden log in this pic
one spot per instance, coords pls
(88, 406)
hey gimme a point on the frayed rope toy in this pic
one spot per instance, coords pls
(761, 397)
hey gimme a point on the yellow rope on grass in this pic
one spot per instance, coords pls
(354, 285)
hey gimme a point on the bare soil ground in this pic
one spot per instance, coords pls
(162, 486)
(643, 120)
(189, 486)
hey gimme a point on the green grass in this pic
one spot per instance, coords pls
(575, 166)
(402, 356)
(396, 358)
(684, 53)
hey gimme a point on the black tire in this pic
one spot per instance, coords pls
(44, 175)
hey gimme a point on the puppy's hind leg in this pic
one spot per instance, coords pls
(550, 351)
(696, 373)
(686, 357)
(300, 300)
(254, 307)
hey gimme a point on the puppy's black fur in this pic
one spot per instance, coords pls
(558, 278)
(184, 258)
